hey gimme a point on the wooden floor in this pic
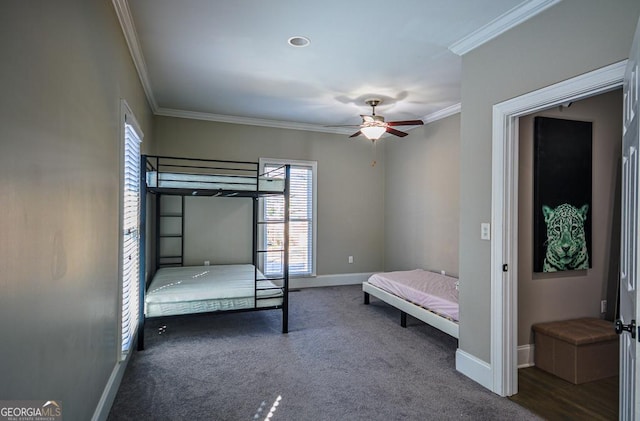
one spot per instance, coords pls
(555, 399)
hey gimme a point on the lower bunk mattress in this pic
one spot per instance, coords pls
(201, 289)
(432, 291)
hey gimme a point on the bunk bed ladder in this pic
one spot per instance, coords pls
(263, 255)
(169, 230)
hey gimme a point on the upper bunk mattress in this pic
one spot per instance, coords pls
(433, 291)
(200, 289)
(213, 182)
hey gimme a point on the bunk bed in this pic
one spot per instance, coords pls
(176, 290)
(428, 296)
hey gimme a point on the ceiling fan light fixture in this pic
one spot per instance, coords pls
(373, 132)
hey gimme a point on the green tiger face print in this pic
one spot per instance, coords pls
(566, 242)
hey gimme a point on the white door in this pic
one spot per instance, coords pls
(629, 258)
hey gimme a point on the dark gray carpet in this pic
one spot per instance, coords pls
(341, 360)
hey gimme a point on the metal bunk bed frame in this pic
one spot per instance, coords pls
(245, 182)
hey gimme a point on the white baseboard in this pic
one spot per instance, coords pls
(525, 356)
(329, 280)
(111, 389)
(474, 368)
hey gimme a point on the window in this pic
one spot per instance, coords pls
(130, 223)
(302, 219)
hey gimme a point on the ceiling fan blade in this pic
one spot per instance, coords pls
(396, 132)
(358, 133)
(406, 123)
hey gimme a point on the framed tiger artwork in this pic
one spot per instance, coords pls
(562, 194)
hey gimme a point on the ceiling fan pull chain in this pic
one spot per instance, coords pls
(373, 161)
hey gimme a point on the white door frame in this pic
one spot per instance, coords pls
(504, 210)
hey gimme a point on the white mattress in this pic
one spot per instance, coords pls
(433, 291)
(213, 182)
(199, 289)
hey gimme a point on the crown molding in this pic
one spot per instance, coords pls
(443, 113)
(501, 24)
(131, 36)
(278, 124)
(221, 118)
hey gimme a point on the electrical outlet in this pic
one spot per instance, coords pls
(350, 259)
(442, 272)
(206, 263)
(603, 306)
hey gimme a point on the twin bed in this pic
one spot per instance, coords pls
(428, 296)
(201, 289)
(178, 290)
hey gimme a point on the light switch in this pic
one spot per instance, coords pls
(485, 231)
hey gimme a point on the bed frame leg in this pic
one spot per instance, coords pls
(285, 319)
(366, 298)
(141, 335)
(403, 319)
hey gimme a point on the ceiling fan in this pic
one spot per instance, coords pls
(373, 126)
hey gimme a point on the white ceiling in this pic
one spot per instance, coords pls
(230, 60)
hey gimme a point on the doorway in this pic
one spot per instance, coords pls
(571, 294)
(563, 295)
(504, 248)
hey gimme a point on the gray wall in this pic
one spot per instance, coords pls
(544, 297)
(569, 39)
(65, 66)
(232, 230)
(350, 190)
(422, 194)
(217, 229)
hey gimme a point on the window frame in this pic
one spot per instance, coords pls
(313, 165)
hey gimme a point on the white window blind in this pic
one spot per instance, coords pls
(301, 222)
(130, 236)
